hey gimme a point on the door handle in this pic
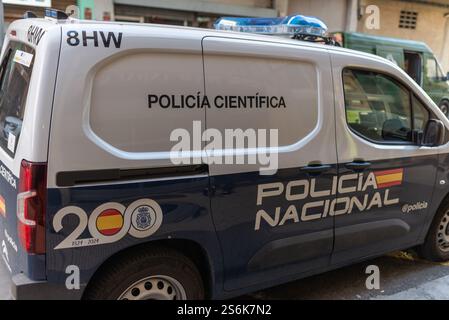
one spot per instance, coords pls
(358, 165)
(316, 168)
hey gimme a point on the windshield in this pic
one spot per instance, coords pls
(15, 75)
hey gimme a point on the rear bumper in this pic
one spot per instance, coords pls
(23, 288)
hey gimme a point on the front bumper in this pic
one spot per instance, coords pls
(23, 288)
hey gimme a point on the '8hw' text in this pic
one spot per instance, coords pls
(230, 309)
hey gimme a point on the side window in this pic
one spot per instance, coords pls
(433, 71)
(377, 107)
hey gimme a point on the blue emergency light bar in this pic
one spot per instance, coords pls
(284, 26)
(55, 14)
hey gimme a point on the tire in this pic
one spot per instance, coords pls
(156, 274)
(444, 107)
(436, 246)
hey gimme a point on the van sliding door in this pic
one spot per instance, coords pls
(270, 223)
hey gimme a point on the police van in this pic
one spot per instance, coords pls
(93, 204)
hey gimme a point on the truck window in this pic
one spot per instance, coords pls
(380, 109)
(412, 64)
(15, 78)
(433, 71)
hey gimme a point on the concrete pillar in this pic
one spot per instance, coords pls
(352, 8)
(282, 7)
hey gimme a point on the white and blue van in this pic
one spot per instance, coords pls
(88, 180)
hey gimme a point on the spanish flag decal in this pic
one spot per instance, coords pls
(389, 178)
(109, 222)
(2, 207)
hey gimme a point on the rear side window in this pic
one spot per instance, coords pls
(15, 75)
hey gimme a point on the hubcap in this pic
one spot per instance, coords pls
(443, 234)
(155, 288)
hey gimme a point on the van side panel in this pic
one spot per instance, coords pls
(112, 182)
(185, 215)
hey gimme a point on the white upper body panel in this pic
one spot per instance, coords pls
(107, 74)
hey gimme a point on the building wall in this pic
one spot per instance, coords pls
(98, 10)
(154, 15)
(198, 13)
(333, 13)
(13, 12)
(250, 3)
(432, 26)
(144, 9)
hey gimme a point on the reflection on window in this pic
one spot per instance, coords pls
(377, 107)
(14, 83)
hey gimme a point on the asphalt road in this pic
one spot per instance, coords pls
(402, 276)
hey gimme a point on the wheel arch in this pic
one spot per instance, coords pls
(443, 202)
(189, 248)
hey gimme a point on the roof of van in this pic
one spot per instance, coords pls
(203, 32)
(353, 36)
(363, 38)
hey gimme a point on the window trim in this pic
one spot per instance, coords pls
(410, 93)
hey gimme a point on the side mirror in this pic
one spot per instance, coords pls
(445, 78)
(434, 133)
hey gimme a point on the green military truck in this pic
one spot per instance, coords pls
(415, 57)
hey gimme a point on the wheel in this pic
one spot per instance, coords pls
(156, 274)
(444, 106)
(436, 245)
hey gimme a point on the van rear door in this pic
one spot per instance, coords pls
(271, 224)
(16, 70)
(27, 80)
